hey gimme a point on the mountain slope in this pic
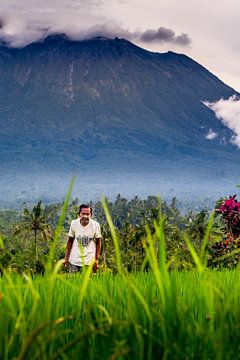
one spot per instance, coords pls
(106, 105)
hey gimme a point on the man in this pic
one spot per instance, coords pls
(84, 241)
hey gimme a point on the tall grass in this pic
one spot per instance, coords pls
(146, 315)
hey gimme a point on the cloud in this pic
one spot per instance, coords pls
(32, 20)
(211, 135)
(228, 111)
(23, 22)
(22, 34)
(105, 30)
(166, 35)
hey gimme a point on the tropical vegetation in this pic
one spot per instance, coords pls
(160, 311)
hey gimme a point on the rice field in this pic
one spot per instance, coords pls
(159, 314)
(194, 316)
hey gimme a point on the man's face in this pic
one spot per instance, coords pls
(85, 216)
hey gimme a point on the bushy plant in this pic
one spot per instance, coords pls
(225, 252)
(230, 212)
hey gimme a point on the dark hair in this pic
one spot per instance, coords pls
(84, 206)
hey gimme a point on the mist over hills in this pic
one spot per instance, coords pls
(120, 118)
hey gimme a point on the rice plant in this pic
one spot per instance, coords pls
(146, 315)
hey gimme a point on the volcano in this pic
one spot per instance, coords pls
(119, 117)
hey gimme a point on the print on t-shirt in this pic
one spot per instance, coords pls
(84, 240)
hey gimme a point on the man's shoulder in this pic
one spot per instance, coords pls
(74, 222)
(95, 223)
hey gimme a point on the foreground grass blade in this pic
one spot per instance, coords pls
(58, 231)
(203, 254)
(194, 254)
(114, 235)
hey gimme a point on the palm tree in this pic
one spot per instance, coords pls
(34, 221)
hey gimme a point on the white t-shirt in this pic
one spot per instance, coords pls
(84, 244)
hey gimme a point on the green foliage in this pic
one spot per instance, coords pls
(29, 236)
(28, 240)
(8, 218)
(158, 314)
(225, 250)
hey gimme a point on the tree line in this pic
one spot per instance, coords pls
(25, 237)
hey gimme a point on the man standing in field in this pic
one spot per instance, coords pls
(84, 241)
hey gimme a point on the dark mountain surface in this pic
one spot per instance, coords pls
(113, 113)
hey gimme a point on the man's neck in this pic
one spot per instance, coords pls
(84, 224)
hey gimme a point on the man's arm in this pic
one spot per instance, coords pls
(97, 254)
(98, 248)
(68, 249)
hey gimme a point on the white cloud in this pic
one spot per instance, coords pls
(211, 135)
(228, 111)
(32, 20)
(19, 26)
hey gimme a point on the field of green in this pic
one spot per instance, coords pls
(145, 315)
(159, 312)
(187, 315)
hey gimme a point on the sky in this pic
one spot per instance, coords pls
(207, 31)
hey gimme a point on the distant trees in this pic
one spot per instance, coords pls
(33, 225)
(25, 244)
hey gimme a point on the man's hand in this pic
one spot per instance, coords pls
(68, 250)
(95, 266)
(65, 263)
